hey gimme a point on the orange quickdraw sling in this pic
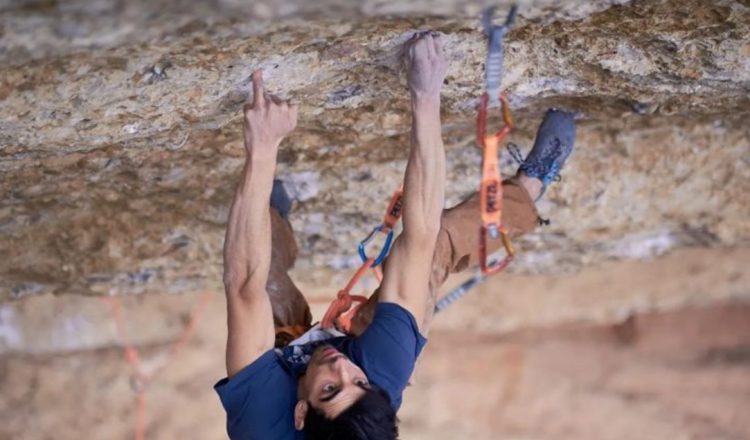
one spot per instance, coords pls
(491, 188)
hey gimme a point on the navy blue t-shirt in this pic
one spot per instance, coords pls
(260, 399)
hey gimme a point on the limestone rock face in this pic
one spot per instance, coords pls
(120, 130)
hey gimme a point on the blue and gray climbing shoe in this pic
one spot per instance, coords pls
(280, 200)
(554, 143)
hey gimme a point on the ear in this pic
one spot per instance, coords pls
(300, 411)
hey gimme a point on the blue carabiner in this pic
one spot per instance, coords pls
(383, 252)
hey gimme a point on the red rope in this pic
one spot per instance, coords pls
(139, 380)
(343, 302)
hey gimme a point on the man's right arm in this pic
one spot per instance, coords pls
(247, 246)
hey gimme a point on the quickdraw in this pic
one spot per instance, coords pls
(491, 188)
(342, 309)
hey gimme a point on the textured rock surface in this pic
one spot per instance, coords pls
(116, 181)
(120, 145)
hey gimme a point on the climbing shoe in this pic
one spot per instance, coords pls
(280, 200)
(554, 143)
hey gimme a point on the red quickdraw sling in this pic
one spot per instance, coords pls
(491, 187)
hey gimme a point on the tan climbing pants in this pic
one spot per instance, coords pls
(456, 250)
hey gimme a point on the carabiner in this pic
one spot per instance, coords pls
(494, 266)
(386, 246)
(482, 136)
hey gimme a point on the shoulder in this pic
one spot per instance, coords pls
(388, 350)
(395, 319)
(259, 400)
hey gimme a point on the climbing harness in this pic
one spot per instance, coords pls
(139, 379)
(342, 309)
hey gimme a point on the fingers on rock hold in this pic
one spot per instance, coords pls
(258, 95)
(275, 99)
(438, 41)
(430, 43)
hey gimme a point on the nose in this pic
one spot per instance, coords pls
(339, 366)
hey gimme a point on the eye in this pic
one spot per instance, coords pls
(361, 382)
(329, 388)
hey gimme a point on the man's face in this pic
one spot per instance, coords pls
(332, 382)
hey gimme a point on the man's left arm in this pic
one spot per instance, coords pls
(407, 272)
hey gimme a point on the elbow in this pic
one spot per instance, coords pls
(237, 284)
(241, 281)
(243, 290)
(233, 279)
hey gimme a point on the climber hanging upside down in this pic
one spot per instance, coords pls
(324, 386)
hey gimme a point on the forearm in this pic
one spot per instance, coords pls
(407, 273)
(424, 186)
(247, 246)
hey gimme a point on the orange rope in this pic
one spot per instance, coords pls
(344, 301)
(139, 380)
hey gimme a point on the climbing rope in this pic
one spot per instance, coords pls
(139, 379)
(342, 309)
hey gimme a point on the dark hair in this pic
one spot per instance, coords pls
(369, 418)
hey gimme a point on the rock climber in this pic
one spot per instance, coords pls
(350, 386)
